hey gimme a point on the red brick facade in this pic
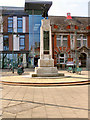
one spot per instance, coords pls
(27, 24)
(55, 41)
(5, 24)
(76, 33)
(69, 41)
(26, 42)
(10, 42)
(88, 41)
(11, 35)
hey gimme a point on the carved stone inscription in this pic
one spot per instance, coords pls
(46, 42)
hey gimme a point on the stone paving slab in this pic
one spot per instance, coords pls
(45, 102)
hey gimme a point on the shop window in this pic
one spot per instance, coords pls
(10, 24)
(22, 42)
(6, 42)
(19, 25)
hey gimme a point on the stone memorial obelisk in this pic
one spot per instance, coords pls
(46, 63)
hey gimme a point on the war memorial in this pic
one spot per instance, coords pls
(45, 63)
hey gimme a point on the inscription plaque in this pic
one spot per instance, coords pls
(46, 42)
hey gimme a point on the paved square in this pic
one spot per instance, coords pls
(45, 102)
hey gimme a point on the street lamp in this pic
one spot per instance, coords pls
(76, 49)
(33, 34)
(13, 62)
(12, 54)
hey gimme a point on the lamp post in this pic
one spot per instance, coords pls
(12, 53)
(33, 34)
(76, 49)
(12, 56)
(13, 62)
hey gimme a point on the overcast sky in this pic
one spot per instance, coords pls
(59, 7)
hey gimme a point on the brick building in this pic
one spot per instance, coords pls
(20, 38)
(71, 40)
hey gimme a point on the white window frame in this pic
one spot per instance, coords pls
(85, 39)
(65, 39)
(58, 38)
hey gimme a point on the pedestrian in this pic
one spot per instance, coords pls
(79, 63)
(22, 68)
(10, 66)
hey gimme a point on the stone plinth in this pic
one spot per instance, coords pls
(46, 63)
(46, 72)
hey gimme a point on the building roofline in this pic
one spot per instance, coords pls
(11, 8)
(22, 8)
(38, 1)
(66, 16)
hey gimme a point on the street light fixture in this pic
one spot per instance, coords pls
(76, 49)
